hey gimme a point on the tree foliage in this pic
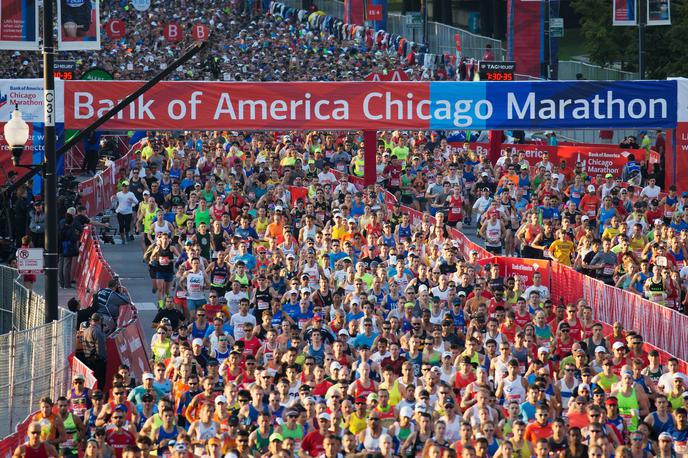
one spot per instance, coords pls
(666, 51)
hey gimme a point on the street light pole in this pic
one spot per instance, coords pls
(50, 167)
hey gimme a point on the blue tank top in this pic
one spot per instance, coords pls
(640, 285)
(404, 232)
(605, 215)
(162, 435)
(662, 426)
(417, 362)
(576, 194)
(319, 355)
(389, 241)
(221, 356)
(391, 303)
(357, 210)
(198, 333)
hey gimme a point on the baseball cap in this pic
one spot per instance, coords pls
(148, 376)
(543, 350)
(125, 183)
(79, 377)
(601, 349)
(276, 437)
(609, 175)
(406, 411)
(612, 401)
(221, 399)
(197, 341)
(591, 188)
(666, 436)
(326, 416)
(618, 345)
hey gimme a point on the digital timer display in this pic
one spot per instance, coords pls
(64, 69)
(64, 75)
(499, 76)
(496, 71)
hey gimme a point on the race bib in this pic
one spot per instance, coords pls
(164, 260)
(608, 270)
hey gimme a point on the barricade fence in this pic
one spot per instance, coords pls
(440, 36)
(34, 364)
(92, 273)
(97, 192)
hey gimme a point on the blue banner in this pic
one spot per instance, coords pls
(39, 152)
(553, 104)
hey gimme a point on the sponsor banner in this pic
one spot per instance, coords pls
(130, 347)
(624, 12)
(658, 12)
(79, 25)
(386, 105)
(396, 75)
(596, 159)
(524, 268)
(19, 25)
(27, 95)
(115, 29)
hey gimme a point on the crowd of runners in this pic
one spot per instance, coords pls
(300, 315)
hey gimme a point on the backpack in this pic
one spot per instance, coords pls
(69, 242)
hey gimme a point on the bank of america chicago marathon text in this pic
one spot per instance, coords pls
(380, 106)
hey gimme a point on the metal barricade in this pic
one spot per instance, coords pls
(568, 69)
(33, 355)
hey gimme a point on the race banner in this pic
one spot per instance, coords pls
(598, 160)
(595, 159)
(624, 12)
(385, 105)
(19, 25)
(658, 12)
(27, 96)
(79, 25)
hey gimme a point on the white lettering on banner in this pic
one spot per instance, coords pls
(321, 110)
(602, 108)
(84, 107)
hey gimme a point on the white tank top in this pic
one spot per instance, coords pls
(313, 275)
(204, 433)
(566, 394)
(164, 229)
(514, 390)
(194, 286)
(372, 444)
(500, 370)
(446, 377)
(493, 233)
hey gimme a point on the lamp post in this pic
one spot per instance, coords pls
(16, 135)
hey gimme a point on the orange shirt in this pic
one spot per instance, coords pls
(274, 230)
(535, 431)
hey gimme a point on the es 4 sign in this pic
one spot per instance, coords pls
(115, 29)
(200, 32)
(374, 12)
(173, 32)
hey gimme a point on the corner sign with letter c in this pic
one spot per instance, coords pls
(115, 29)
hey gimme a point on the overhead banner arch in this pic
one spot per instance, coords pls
(379, 105)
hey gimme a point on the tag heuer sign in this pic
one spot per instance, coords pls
(496, 71)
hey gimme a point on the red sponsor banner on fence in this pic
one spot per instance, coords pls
(210, 105)
(78, 367)
(596, 159)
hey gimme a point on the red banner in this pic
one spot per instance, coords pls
(210, 105)
(374, 12)
(596, 159)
